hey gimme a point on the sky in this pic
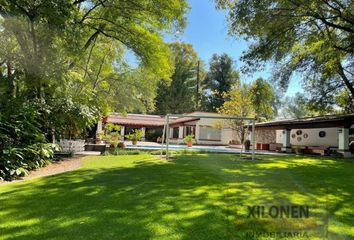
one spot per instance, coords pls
(207, 31)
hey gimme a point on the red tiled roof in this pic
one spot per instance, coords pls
(141, 120)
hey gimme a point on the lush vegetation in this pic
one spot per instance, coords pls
(310, 37)
(179, 94)
(62, 67)
(197, 196)
(219, 80)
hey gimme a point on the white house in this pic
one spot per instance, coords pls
(313, 133)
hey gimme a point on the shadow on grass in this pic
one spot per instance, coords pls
(203, 196)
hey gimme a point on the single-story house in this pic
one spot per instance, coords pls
(206, 131)
(317, 133)
(321, 132)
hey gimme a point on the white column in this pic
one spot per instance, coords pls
(286, 140)
(143, 129)
(99, 127)
(171, 132)
(180, 134)
(343, 142)
(196, 134)
(122, 132)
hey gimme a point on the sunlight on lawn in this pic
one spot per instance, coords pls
(196, 196)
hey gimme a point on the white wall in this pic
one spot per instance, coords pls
(226, 134)
(313, 139)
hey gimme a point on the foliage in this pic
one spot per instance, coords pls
(62, 63)
(22, 144)
(309, 37)
(111, 128)
(179, 94)
(136, 135)
(263, 100)
(218, 81)
(189, 139)
(296, 107)
(238, 102)
(120, 151)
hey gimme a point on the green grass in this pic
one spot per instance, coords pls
(196, 196)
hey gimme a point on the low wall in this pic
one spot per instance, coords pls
(72, 145)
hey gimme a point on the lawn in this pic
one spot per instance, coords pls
(196, 196)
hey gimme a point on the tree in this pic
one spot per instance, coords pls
(62, 64)
(296, 107)
(263, 99)
(238, 102)
(219, 79)
(314, 38)
(179, 95)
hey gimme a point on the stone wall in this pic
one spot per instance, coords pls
(265, 136)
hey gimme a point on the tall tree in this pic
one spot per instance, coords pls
(263, 99)
(73, 49)
(219, 79)
(62, 67)
(179, 95)
(315, 38)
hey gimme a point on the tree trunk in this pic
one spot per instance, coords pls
(345, 79)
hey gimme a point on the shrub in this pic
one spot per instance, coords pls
(136, 135)
(23, 146)
(121, 145)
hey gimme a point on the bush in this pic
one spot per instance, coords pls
(23, 146)
(118, 151)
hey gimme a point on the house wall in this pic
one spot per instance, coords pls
(313, 139)
(227, 134)
(265, 136)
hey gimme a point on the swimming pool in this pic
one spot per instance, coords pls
(181, 148)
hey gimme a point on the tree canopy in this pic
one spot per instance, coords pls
(263, 99)
(62, 67)
(218, 81)
(313, 38)
(179, 95)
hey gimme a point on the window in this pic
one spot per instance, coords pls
(209, 133)
(175, 132)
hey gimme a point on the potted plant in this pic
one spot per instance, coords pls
(135, 136)
(189, 139)
(114, 136)
(99, 138)
(247, 144)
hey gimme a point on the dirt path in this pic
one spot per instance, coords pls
(64, 165)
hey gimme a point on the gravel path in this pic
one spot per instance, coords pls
(64, 165)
